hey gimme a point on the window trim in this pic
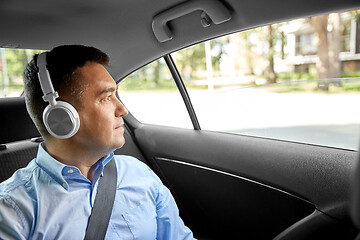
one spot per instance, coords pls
(182, 89)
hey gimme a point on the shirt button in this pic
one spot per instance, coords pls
(70, 170)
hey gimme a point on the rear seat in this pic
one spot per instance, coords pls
(19, 137)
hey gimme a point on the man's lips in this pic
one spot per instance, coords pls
(119, 126)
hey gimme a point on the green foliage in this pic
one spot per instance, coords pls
(218, 51)
(290, 87)
(355, 14)
(15, 61)
(134, 83)
(350, 74)
(335, 86)
(346, 86)
(154, 76)
(191, 59)
(295, 76)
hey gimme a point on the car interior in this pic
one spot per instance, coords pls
(227, 186)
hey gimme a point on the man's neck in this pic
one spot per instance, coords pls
(65, 152)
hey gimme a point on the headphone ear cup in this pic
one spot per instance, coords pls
(61, 120)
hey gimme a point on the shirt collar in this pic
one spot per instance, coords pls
(105, 160)
(56, 169)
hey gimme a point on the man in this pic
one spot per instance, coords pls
(53, 196)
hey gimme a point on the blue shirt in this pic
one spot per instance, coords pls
(50, 200)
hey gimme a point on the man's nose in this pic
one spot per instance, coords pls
(121, 110)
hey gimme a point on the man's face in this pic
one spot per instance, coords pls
(101, 124)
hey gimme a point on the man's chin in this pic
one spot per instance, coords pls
(119, 144)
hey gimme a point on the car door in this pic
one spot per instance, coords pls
(253, 188)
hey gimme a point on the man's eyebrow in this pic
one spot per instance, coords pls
(107, 90)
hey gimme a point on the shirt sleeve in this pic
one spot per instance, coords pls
(169, 223)
(11, 221)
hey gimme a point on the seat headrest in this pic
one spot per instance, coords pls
(15, 122)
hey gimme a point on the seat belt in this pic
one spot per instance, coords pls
(104, 201)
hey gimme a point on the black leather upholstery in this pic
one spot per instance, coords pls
(17, 149)
(15, 156)
(15, 122)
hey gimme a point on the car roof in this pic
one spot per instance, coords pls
(123, 29)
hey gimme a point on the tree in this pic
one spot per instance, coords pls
(335, 45)
(328, 65)
(156, 74)
(191, 59)
(218, 51)
(141, 74)
(320, 24)
(276, 47)
(271, 54)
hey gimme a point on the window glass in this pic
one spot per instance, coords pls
(12, 65)
(306, 44)
(296, 81)
(152, 97)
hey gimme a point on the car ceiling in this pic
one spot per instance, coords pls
(123, 28)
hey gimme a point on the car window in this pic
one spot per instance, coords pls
(295, 81)
(151, 95)
(12, 64)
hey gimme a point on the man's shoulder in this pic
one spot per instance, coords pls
(19, 179)
(15, 192)
(133, 167)
(129, 161)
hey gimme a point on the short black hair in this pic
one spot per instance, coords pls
(62, 64)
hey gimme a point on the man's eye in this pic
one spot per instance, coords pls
(108, 98)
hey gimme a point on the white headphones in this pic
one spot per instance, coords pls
(60, 118)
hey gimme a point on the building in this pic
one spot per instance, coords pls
(303, 42)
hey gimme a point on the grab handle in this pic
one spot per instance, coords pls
(214, 9)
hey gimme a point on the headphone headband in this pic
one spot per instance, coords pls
(50, 94)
